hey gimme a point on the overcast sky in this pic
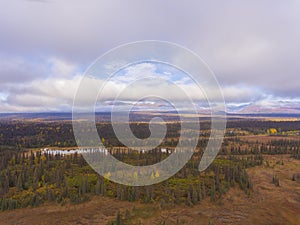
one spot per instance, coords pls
(253, 47)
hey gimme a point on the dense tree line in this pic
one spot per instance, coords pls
(296, 154)
(32, 178)
(273, 147)
(20, 135)
(261, 126)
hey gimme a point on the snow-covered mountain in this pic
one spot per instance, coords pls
(270, 108)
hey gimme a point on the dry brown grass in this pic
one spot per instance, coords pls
(267, 138)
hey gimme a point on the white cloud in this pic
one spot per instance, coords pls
(15, 69)
(253, 47)
(51, 94)
(61, 68)
(50, 85)
(132, 84)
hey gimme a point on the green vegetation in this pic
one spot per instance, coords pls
(31, 178)
(16, 135)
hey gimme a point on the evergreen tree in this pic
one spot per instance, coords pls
(119, 219)
(213, 192)
(189, 200)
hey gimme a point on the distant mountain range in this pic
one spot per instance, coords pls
(146, 108)
(261, 109)
(144, 116)
(251, 110)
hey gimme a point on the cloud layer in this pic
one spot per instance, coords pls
(45, 46)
